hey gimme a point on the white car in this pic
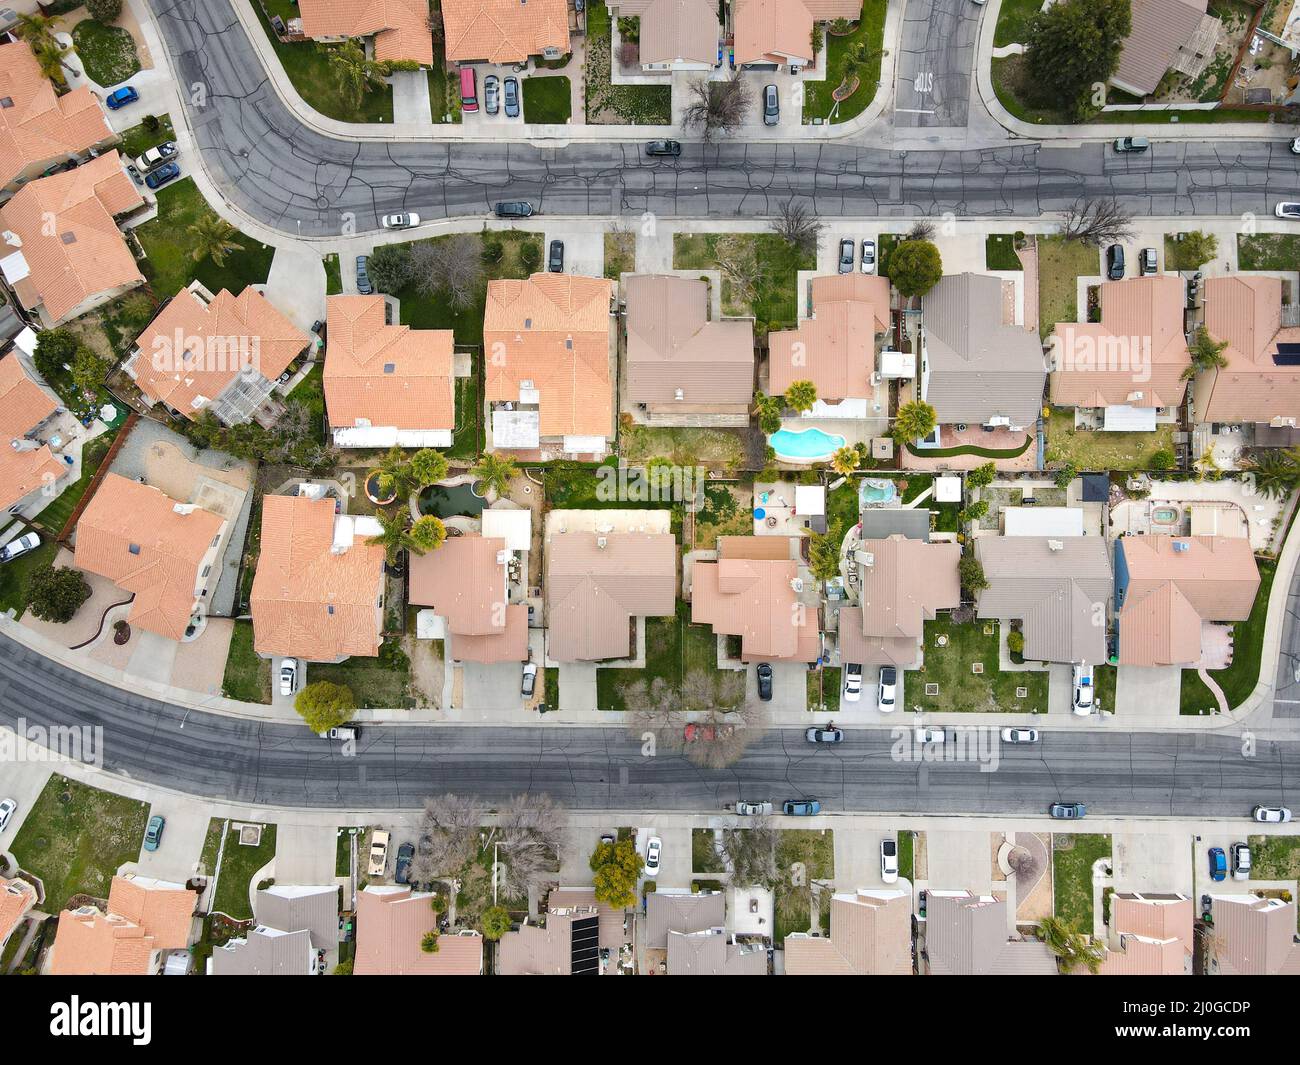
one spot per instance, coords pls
(753, 809)
(403, 220)
(1271, 815)
(288, 675)
(1084, 692)
(1295, 146)
(19, 546)
(1287, 209)
(157, 155)
(852, 683)
(1020, 735)
(868, 256)
(888, 694)
(653, 848)
(929, 734)
(7, 808)
(889, 860)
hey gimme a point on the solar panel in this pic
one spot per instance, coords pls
(1287, 355)
(584, 947)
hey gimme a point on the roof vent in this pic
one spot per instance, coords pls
(134, 548)
(679, 394)
(329, 609)
(796, 584)
(568, 343)
(602, 542)
(6, 102)
(390, 367)
(1181, 545)
(528, 323)
(68, 238)
(1055, 545)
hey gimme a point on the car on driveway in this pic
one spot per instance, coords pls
(119, 98)
(401, 220)
(846, 256)
(153, 832)
(515, 209)
(7, 808)
(20, 546)
(1240, 861)
(1131, 144)
(491, 94)
(868, 256)
(156, 155)
(555, 261)
(1068, 811)
(156, 179)
(889, 860)
(405, 855)
(512, 97)
(1287, 209)
(1218, 864)
(829, 734)
(929, 734)
(378, 853)
(363, 278)
(771, 105)
(888, 694)
(764, 676)
(1148, 263)
(1020, 735)
(1084, 691)
(1271, 815)
(852, 682)
(1115, 262)
(801, 807)
(288, 675)
(663, 148)
(529, 681)
(753, 809)
(653, 851)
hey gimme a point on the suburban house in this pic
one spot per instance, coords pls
(145, 919)
(547, 345)
(979, 367)
(753, 590)
(1130, 364)
(836, 349)
(1167, 588)
(1252, 936)
(293, 925)
(318, 593)
(1058, 589)
(60, 249)
(392, 921)
(163, 552)
(689, 929)
(386, 384)
(675, 34)
(27, 465)
(398, 28)
(774, 33)
(1261, 383)
(871, 935)
(1150, 935)
(567, 940)
(601, 585)
(1164, 34)
(904, 582)
(504, 31)
(966, 935)
(40, 129)
(682, 368)
(16, 898)
(221, 353)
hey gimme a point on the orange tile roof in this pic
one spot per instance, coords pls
(400, 27)
(165, 909)
(385, 375)
(193, 349)
(391, 922)
(16, 898)
(553, 330)
(134, 535)
(774, 29)
(504, 31)
(836, 348)
(71, 244)
(144, 916)
(1246, 312)
(23, 406)
(42, 127)
(308, 600)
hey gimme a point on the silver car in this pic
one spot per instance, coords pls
(771, 105)
(753, 809)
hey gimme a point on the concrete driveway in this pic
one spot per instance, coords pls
(296, 286)
(177, 856)
(960, 860)
(584, 253)
(1152, 861)
(1147, 691)
(285, 702)
(410, 96)
(492, 686)
(304, 854)
(789, 686)
(675, 857)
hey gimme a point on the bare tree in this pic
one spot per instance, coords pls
(797, 225)
(723, 737)
(451, 264)
(738, 264)
(1097, 222)
(716, 108)
(531, 830)
(749, 849)
(922, 229)
(449, 834)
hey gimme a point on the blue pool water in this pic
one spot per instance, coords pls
(878, 491)
(805, 444)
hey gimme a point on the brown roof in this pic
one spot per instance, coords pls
(676, 911)
(836, 348)
(193, 350)
(144, 915)
(714, 953)
(673, 30)
(1254, 936)
(1246, 312)
(1173, 584)
(1151, 936)
(391, 922)
(1135, 355)
(16, 898)
(672, 348)
(547, 950)
(465, 582)
(871, 935)
(553, 331)
(70, 242)
(23, 406)
(966, 935)
(385, 375)
(310, 601)
(147, 543)
(504, 31)
(400, 27)
(1159, 29)
(592, 591)
(771, 30)
(42, 127)
(755, 599)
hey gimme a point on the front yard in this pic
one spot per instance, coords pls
(620, 254)
(107, 52)
(248, 675)
(1275, 857)
(14, 576)
(1268, 251)
(802, 856)
(1072, 860)
(762, 282)
(547, 99)
(1095, 450)
(239, 864)
(1240, 678)
(382, 682)
(961, 690)
(610, 103)
(868, 34)
(1060, 265)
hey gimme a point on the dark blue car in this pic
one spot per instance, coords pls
(155, 179)
(119, 98)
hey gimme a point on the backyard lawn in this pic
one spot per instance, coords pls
(248, 676)
(961, 689)
(1072, 876)
(1060, 264)
(868, 33)
(768, 269)
(1240, 678)
(239, 864)
(1090, 450)
(547, 99)
(719, 449)
(1268, 251)
(107, 52)
(54, 516)
(76, 837)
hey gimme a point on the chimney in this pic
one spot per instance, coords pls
(1055, 545)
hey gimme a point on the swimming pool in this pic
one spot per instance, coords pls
(806, 445)
(878, 491)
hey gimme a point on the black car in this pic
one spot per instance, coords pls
(555, 264)
(363, 278)
(764, 672)
(1115, 262)
(515, 209)
(512, 97)
(405, 853)
(671, 148)
(1148, 263)
(771, 105)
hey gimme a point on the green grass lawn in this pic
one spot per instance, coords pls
(704, 856)
(53, 517)
(802, 856)
(333, 275)
(1103, 679)
(1093, 451)
(343, 850)
(1060, 265)
(1240, 678)
(248, 676)
(1072, 877)
(824, 687)
(1013, 21)
(76, 837)
(107, 52)
(1174, 257)
(770, 263)
(1011, 84)
(170, 265)
(906, 855)
(239, 864)
(869, 33)
(381, 682)
(1275, 857)
(961, 690)
(1000, 252)
(1268, 251)
(139, 138)
(468, 441)
(547, 99)
(14, 576)
(620, 254)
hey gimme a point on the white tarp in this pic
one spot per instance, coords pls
(809, 500)
(1043, 521)
(515, 527)
(516, 428)
(1121, 418)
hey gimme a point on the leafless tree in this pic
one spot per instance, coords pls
(452, 264)
(716, 108)
(796, 223)
(1097, 222)
(1022, 863)
(749, 849)
(449, 834)
(738, 264)
(922, 229)
(725, 735)
(531, 830)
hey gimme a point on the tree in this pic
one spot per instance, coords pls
(49, 59)
(1066, 474)
(1073, 48)
(922, 229)
(449, 836)
(395, 534)
(1195, 249)
(824, 552)
(975, 511)
(56, 594)
(36, 28)
(1072, 949)
(428, 467)
(716, 108)
(324, 705)
(355, 73)
(496, 472)
(738, 264)
(1276, 473)
(494, 923)
(212, 237)
(396, 476)
(106, 11)
(428, 534)
(970, 571)
(532, 831)
(1206, 353)
(1097, 222)
(796, 223)
(616, 868)
(390, 267)
(801, 395)
(55, 348)
(531, 256)
(915, 267)
(768, 409)
(429, 942)
(915, 421)
(845, 460)
(749, 850)
(452, 265)
(1162, 460)
(89, 370)
(981, 476)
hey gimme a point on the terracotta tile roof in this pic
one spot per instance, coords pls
(1151, 936)
(836, 348)
(871, 935)
(400, 27)
(165, 909)
(1165, 586)
(1135, 355)
(193, 350)
(675, 30)
(135, 536)
(593, 591)
(776, 29)
(72, 247)
(1254, 937)
(144, 915)
(23, 406)
(672, 347)
(42, 127)
(1159, 29)
(504, 31)
(553, 330)
(16, 898)
(1246, 312)
(465, 582)
(385, 375)
(310, 601)
(391, 922)
(905, 584)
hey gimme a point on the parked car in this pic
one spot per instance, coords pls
(363, 278)
(1295, 146)
(771, 105)
(1287, 209)
(1115, 262)
(888, 693)
(7, 808)
(530, 679)
(515, 209)
(288, 675)
(1020, 735)
(378, 854)
(1084, 691)
(20, 546)
(405, 855)
(653, 850)
(1271, 815)
(846, 256)
(119, 98)
(753, 809)
(889, 860)
(852, 682)
(829, 734)
(801, 807)
(344, 733)
(868, 256)
(491, 94)
(1068, 811)
(1240, 861)
(555, 261)
(512, 97)
(764, 676)
(1148, 263)
(156, 179)
(153, 832)
(159, 153)
(134, 173)
(664, 148)
(1131, 144)
(468, 90)
(1218, 864)
(929, 734)
(401, 220)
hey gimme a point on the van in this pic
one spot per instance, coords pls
(468, 90)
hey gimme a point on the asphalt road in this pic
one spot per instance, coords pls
(285, 765)
(287, 175)
(936, 63)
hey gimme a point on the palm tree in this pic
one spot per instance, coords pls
(213, 238)
(427, 534)
(496, 472)
(845, 460)
(1072, 949)
(428, 466)
(801, 395)
(396, 477)
(1276, 473)
(1206, 353)
(49, 58)
(395, 536)
(36, 28)
(354, 71)
(915, 421)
